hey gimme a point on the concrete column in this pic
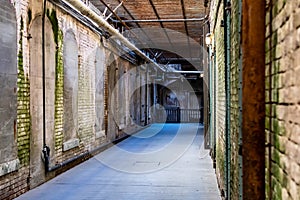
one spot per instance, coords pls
(253, 150)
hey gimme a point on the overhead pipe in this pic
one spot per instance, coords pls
(161, 20)
(85, 10)
(187, 72)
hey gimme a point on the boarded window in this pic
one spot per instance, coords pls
(99, 90)
(70, 85)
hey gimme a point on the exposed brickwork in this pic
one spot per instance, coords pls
(14, 184)
(23, 119)
(219, 70)
(282, 98)
(234, 99)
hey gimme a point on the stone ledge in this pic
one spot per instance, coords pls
(70, 144)
(100, 134)
(9, 167)
(121, 126)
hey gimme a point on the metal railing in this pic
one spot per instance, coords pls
(177, 115)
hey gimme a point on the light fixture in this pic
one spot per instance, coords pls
(208, 39)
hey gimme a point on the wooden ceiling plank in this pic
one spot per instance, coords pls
(161, 24)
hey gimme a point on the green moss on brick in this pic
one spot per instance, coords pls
(23, 110)
(220, 161)
(59, 70)
(59, 92)
(53, 19)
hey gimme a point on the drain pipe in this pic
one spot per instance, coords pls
(85, 10)
(146, 98)
(46, 149)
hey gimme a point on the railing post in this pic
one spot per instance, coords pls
(178, 114)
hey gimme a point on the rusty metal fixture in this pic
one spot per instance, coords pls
(253, 130)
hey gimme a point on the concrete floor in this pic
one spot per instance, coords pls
(164, 161)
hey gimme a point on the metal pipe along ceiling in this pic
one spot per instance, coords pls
(162, 20)
(85, 10)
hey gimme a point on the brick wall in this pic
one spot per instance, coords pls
(219, 86)
(234, 98)
(282, 100)
(219, 73)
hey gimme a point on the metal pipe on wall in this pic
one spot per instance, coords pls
(46, 149)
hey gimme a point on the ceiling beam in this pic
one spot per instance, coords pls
(161, 24)
(185, 25)
(137, 23)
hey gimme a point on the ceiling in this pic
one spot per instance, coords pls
(171, 30)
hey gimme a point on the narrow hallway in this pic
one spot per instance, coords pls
(78, 77)
(160, 175)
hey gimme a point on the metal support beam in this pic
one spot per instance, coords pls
(114, 11)
(253, 130)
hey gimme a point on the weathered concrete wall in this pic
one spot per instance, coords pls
(78, 86)
(9, 161)
(282, 100)
(15, 183)
(8, 83)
